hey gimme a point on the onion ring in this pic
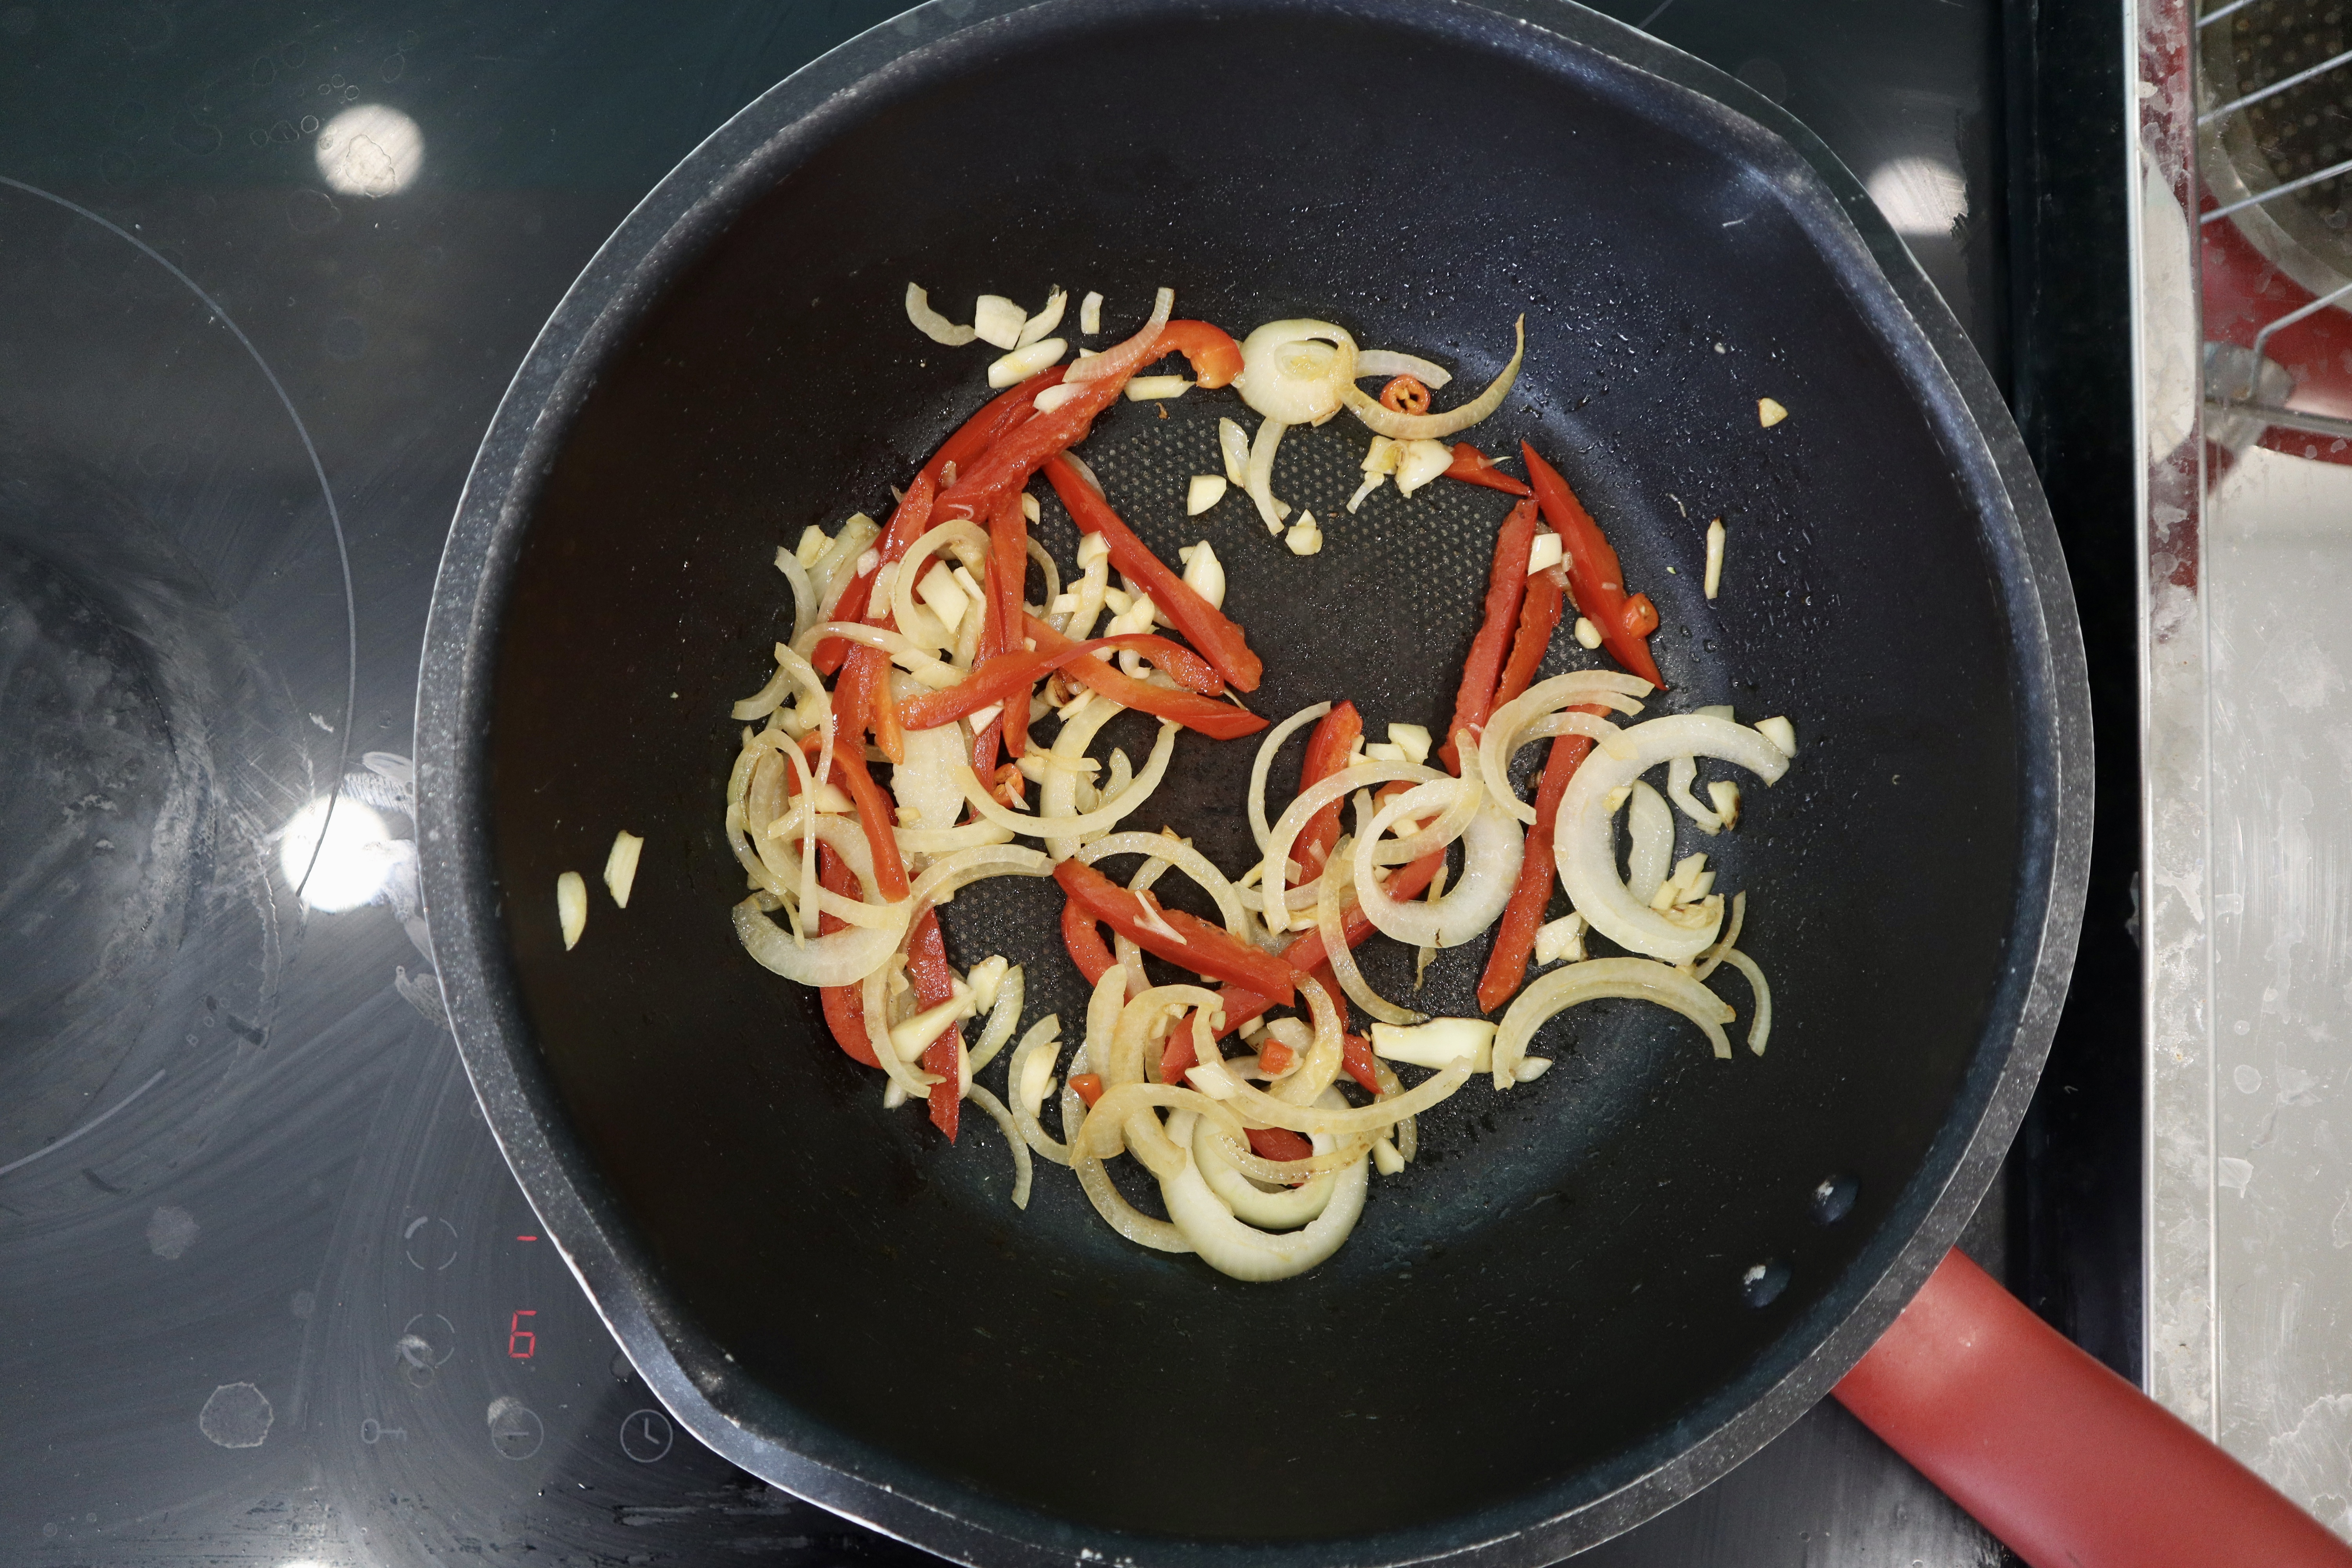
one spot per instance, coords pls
(1643, 979)
(1432, 427)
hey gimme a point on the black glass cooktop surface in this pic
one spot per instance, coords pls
(268, 1293)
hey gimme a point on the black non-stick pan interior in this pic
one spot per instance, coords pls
(1577, 1280)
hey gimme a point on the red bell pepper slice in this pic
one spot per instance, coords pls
(1515, 934)
(1355, 1058)
(1327, 751)
(1279, 1144)
(1218, 720)
(1179, 1056)
(934, 983)
(845, 1005)
(1087, 1086)
(1008, 677)
(1008, 575)
(1218, 638)
(1213, 355)
(1201, 948)
(876, 816)
(983, 748)
(1594, 576)
(908, 523)
(1473, 467)
(1022, 449)
(1275, 1057)
(1081, 935)
(1539, 618)
(1507, 584)
(1306, 952)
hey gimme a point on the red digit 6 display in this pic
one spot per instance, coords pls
(521, 1341)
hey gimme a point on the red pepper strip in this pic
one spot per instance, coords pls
(907, 524)
(1515, 937)
(1022, 449)
(1218, 720)
(1593, 574)
(1273, 1056)
(1327, 751)
(983, 749)
(1279, 1144)
(934, 983)
(1203, 949)
(1215, 358)
(1507, 584)
(845, 1005)
(874, 815)
(1008, 576)
(1083, 936)
(1538, 616)
(1218, 638)
(1010, 675)
(1306, 952)
(1178, 1057)
(1087, 1086)
(1356, 1057)
(1476, 468)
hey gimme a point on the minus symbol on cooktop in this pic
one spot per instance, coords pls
(526, 1238)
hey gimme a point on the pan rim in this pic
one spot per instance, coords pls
(691, 1376)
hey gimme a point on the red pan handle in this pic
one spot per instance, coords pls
(2064, 1460)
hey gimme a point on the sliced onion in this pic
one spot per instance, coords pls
(1258, 481)
(1490, 869)
(837, 568)
(1044, 1035)
(1343, 959)
(933, 325)
(1707, 961)
(844, 958)
(944, 877)
(925, 786)
(874, 995)
(1288, 375)
(1056, 798)
(1759, 1028)
(947, 840)
(1131, 355)
(1045, 560)
(955, 531)
(1581, 839)
(1117, 1212)
(1013, 1138)
(1511, 726)
(1259, 768)
(1245, 1252)
(791, 670)
(804, 595)
(1185, 859)
(1102, 818)
(1390, 363)
(1285, 1209)
(1320, 1064)
(1003, 1019)
(1432, 426)
(1680, 773)
(1258, 1105)
(1651, 826)
(1642, 979)
(1274, 897)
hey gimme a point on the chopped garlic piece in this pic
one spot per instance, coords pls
(1204, 572)
(893, 1096)
(914, 1037)
(1682, 885)
(1418, 462)
(868, 564)
(972, 590)
(987, 716)
(1054, 396)
(998, 321)
(1545, 551)
(1045, 319)
(621, 867)
(1587, 634)
(1386, 1159)
(1531, 1068)
(1118, 599)
(1304, 537)
(1021, 364)
(1714, 556)
(571, 907)
(1092, 547)
(983, 978)
(1212, 1079)
(1063, 605)
(1725, 796)
(1030, 508)
(1768, 413)
(933, 325)
(1718, 711)
(1381, 458)
(1781, 732)
(1371, 482)
(1153, 388)
(1413, 739)
(1440, 1043)
(1384, 751)
(1233, 446)
(814, 542)
(1037, 1078)
(1205, 491)
(939, 591)
(1564, 939)
(1091, 314)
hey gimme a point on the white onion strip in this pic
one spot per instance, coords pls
(1651, 826)
(1056, 798)
(1706, 961)
(1431, 426)
(1509, 726)
(1643, 979)
(1102, 817)
(1343, 959)
(804, 595)
(1131, 355)
(1117, 1212)
(1273, 896)
(1284, 1210)
(1680, 773)
(1492, 848)
(1245, 1252)
(1390, 363)
(1045, 1035)
(1260, 481)
(1005, 1124)
(1581, 841)
(1759, 1028)
(1003, 1019)
(1262, 766)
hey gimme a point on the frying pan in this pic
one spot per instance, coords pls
(1589, 1296)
